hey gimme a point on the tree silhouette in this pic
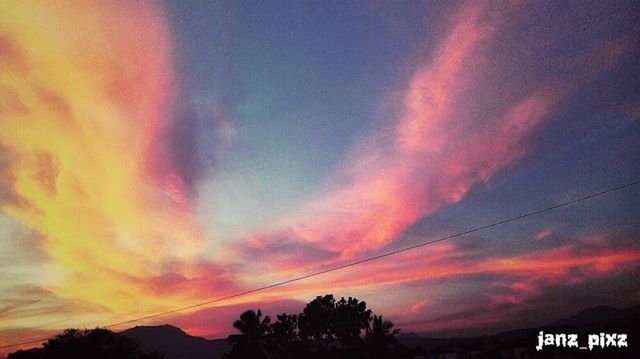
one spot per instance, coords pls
(87, 343)
(379, 337)
(351, 318)
(326, 328)
(252, 340)
(316, 320)
(324, 319)
(286, 327)
(284, 341)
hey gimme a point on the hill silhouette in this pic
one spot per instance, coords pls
(174, 343)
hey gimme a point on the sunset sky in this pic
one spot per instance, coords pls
(155, 155)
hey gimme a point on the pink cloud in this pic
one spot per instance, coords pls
(442, 144)
(514, 279)
(517, 286)
(418, 307)
(544, 233)
(463, 119)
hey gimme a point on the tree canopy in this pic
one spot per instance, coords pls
(326, 328)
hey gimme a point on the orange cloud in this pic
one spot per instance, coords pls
(85, 91)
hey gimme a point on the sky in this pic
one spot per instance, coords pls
(155, 155)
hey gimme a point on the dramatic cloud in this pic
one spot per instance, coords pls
(86, 89)
(473, 110)
(443, 143)
(99, 172)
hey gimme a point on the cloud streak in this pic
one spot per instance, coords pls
(465, 291)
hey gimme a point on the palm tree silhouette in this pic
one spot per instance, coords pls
(251, 341)
(379, 336)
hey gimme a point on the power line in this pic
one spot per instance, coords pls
(352, 264)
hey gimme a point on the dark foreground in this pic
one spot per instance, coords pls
(169, 342)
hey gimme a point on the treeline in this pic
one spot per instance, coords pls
(326, 328)
(86, 343)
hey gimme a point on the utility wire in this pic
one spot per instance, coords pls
(362, 261)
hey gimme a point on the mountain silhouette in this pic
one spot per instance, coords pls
(174, 343)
